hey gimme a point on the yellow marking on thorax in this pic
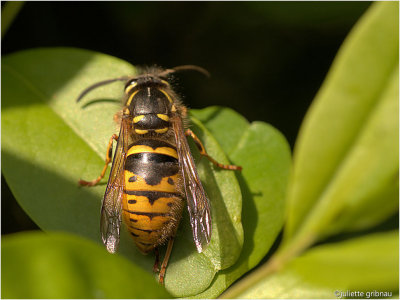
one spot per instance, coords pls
(162, 130)
(163, 117)
(143, 148)
(131, 97)
(141, 131)
(138, 118)
(166, 95)
(130, 87)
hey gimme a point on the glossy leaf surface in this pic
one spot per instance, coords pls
(49, 142)
(345, 173)
(59, 265)
(364, 265)
(265, 157)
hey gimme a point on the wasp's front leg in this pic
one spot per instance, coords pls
(108, 160)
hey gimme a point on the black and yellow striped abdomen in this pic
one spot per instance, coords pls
(152, 201)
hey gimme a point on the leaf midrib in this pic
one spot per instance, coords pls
(344, 158)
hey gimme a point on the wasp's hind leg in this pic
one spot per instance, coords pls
(108, 160)
(165, 261)
(156, 266)
(203, 152)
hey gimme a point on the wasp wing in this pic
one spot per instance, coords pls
(197, 201)
(110, 221)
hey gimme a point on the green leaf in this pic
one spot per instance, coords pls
(49, 142)
(345, 174)
(227, 226)
(43, 154)
(227, 240)
(59, 265)
(226, 125)
(367, 264)
(264, 154)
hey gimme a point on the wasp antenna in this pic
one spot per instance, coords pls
(104, 82)
(185, 68)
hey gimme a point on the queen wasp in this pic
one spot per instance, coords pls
(153, 171)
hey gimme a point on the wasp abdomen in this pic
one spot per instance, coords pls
(152, 202)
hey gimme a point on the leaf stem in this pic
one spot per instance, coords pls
(236, 290)
(279, 260)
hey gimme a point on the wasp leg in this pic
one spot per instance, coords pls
(108, 160)
(204, 153)
(165, 261)
(156, 266)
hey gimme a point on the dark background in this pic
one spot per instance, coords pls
(267, 59)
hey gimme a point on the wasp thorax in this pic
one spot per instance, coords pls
(150, 107)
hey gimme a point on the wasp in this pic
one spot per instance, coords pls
(153, 173)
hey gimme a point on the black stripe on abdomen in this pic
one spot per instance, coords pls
(151, 195)
(152, 166)
(151, 215)
(144, 230)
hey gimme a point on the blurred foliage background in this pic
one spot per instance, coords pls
(266, 59)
